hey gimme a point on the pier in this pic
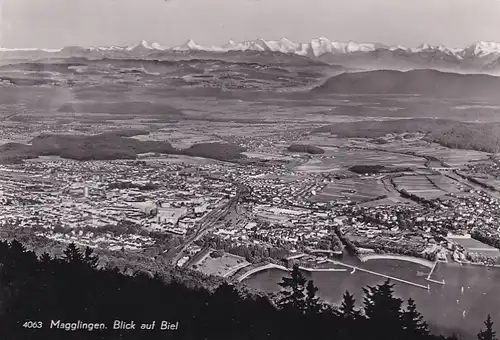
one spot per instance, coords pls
(235, 269)
(294, 257)
(430, 274)
(323, 269)
(380, 274)
(259, 269)
(354, 269)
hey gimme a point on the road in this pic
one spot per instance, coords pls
(392, 191)
(11, 116)
(208, 221)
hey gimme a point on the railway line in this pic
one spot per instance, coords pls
(208, 221)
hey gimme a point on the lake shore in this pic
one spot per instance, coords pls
(423, 262)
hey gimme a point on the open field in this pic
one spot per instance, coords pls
(450, 157)
(487, 179)
(420, 186)
(340, 158)
(477, 247)
(266, 155)
(182, 159)
(319, 165)
(355, 190)
(444, 183)
(221, 265)
(387, 201)
(178, 139)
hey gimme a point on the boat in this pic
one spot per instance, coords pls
(421, 273)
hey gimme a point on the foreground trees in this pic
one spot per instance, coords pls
(62, 291)
(487, 333)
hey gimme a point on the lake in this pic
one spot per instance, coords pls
(443, 306)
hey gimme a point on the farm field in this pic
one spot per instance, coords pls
(387, 201)
(420, 186)
(320, 165)
(266, 155)
(450, 157)
(487, 179)
(355, 190)
(494, 182)
(444, 183)
(341, 159)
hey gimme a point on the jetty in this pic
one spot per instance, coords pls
(380, 274)
(323, 269)
(235, 269)
(294, 257)
(261, 268)
(430, 274)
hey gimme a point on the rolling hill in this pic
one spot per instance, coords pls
(429, 83)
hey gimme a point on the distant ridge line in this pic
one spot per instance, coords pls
(322, 45)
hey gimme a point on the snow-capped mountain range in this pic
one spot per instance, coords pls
(481, 55)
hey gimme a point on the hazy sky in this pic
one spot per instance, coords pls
(57, 23)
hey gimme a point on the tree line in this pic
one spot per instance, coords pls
(73, 288)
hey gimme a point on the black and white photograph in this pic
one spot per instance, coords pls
(249, 169)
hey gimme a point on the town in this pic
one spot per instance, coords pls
(284, 212)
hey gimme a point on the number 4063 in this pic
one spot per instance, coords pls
(33, 324)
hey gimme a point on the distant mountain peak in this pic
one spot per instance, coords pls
(397, 47)
(483, 48)
(189, 45)
(142, 46)
(482, 55)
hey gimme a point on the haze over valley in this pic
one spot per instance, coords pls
(357, 162)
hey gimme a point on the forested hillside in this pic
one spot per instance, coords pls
(449, 133)
(38, 292)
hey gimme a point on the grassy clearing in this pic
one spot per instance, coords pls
(221, 265)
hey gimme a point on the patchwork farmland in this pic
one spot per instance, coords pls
(445, 184)
(355, 190)
(341, 159)
(421, 186)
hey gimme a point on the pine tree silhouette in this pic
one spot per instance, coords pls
(488, 333)
(90, 259)
(292, 295)
(72, 288)
(73, 255)
(312, 304)
(348, 307)
(414, 325)
(350, 317)
(383, 311)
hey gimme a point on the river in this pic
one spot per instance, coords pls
(443, 306)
